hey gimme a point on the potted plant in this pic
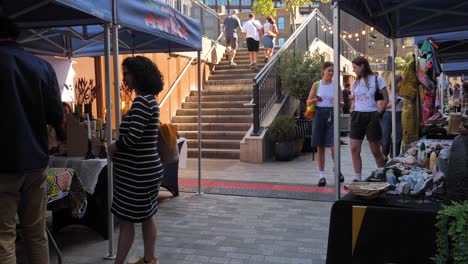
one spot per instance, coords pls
(282, 132)
(452, 234)
(298, 71)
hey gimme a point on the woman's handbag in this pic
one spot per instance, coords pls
(310, 110)
(378, 93)
(271, 34)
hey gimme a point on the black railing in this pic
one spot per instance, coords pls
(267, 83)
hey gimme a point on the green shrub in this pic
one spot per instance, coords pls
(452, 234)
(283, 129)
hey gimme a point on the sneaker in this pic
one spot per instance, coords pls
(254, 66)
(232, 63)
(341, 177)
(322, 182)
(141, 260)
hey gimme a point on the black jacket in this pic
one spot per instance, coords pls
(30, 100)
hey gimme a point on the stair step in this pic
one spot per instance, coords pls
(215, 144)
(238, 135)
(229, 82)
(217, 98)
(245, 66)
(227, 104)
(213, 127)
(227, 91)
(215, 153)
(231, 70)
(213, 119)
(215, 111)
(229, 86)
(242, 61)
(233, 76)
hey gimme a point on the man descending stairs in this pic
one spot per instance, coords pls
(225, 119)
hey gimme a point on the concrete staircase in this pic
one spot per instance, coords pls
(225, 119)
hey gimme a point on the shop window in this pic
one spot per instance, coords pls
(222, 2)
(281, 23)
(281, 42)
(210, 2)
(233, 3)
(247, 2)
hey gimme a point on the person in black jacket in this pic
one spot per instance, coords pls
(30, 100)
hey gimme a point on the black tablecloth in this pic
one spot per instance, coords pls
(390, 231)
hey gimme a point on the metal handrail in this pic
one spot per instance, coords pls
(176, 82)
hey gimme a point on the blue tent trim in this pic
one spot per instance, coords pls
(57, 13)
(455, 68)
(398, 19)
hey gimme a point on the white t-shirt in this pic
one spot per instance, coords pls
(267, 27)
(326, 92)
(364, 93)
(251, 29)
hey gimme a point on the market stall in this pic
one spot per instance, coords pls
(82, 28)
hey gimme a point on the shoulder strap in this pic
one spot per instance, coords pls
(376, 84)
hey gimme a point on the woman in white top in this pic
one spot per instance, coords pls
(322, 95)
(365, 119)
(270, 31)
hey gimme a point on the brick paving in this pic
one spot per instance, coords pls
(229, 228)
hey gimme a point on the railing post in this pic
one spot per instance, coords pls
(256, 110)
(278, 89)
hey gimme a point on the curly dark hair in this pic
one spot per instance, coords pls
(148, 78)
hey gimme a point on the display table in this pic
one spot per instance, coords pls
(383, 230)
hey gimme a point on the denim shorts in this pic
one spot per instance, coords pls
(322, 127)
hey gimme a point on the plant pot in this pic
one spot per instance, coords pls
(299, 145)
(284, 151)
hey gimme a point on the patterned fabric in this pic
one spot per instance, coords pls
(138, 169)
(62, 182)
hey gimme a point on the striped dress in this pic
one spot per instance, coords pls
(138, 170)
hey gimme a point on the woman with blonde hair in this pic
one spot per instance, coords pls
(322, 95)
(271, 30)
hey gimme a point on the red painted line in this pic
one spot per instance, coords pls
(263, 186)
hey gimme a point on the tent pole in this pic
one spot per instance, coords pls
(108, 90)
(418, 101)
(115, 49)
(199, 192)
(337, 95)
(441, 91)
(393, 53)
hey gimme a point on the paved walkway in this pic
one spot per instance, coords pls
(231, 229)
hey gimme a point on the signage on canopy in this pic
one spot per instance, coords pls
(161, 19)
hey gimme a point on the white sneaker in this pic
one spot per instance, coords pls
(232, 63)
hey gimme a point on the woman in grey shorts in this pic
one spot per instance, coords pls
(322, 95)
(365, 119)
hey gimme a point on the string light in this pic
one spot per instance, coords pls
(372, 29)
(363, 32)
(356, 35)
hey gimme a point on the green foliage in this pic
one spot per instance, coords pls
(399, 63)
(452, 234)
(298, 71)
(264, 7)
(283, 129)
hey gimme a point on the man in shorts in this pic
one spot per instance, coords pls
(253, 29)
(231, 23)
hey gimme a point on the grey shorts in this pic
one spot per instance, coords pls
(231, 41)
(365, 124)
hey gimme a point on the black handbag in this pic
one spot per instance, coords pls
(378, 93)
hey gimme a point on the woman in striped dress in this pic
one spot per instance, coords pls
(137, 167)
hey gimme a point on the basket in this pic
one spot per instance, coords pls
(368, 190)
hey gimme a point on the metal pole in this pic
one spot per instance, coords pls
(199, 122)
(392, 53)
(115, 49)
(417, 103)
(110, 217)
(441, 92)
(336, 102)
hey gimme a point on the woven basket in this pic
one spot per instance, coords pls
(367, 190)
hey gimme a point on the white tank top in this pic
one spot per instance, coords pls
(325, 91)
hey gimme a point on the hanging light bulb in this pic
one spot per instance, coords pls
(403, 46)
(371, 28)
(363, 32)
(323, 26)
(357, 39)
(329, 28)
(324, 29)
(350, 36)
(356, 35)
(331, 31)
(387, 46)
(344, 36)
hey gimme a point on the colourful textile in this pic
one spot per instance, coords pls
(62, 182)
(409, 84)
